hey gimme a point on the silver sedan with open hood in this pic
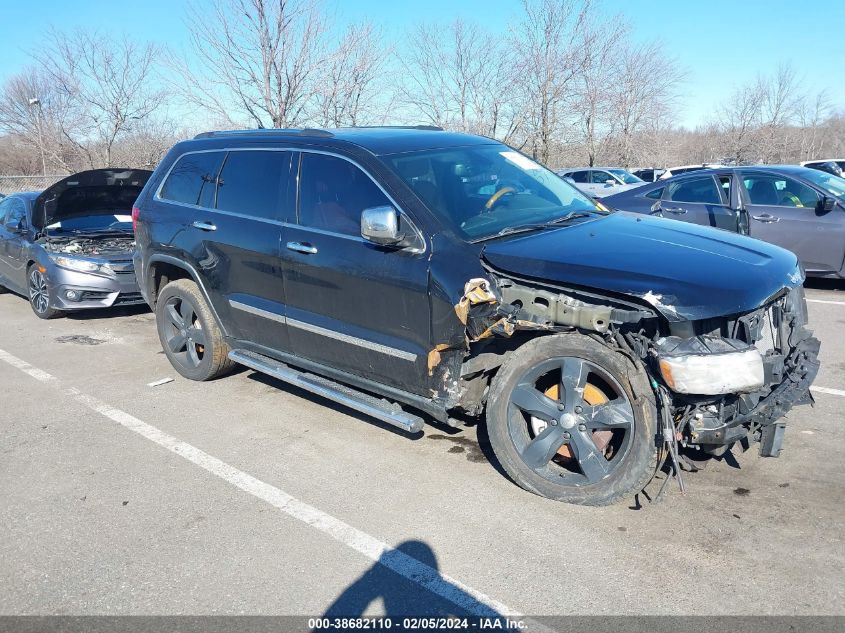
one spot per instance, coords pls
(70, 247)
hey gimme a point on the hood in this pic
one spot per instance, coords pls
(94, 192)
(686, 272)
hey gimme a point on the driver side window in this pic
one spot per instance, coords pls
(771, 190)
(600, 177)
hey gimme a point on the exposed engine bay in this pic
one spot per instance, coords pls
(107, 245)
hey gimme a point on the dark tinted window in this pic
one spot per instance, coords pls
(5, 205)
(656, 194)
(17, 212)
(779, 191)
(254, 183)
(334, 192)
(702, 189)
(580, 176)
(192, 179)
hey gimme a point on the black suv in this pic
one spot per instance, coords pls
(449, 274)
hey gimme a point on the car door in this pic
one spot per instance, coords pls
(353, 305)
(699, 200)
(599, 183)
(238, 202)
(12, 268)
(581, 179)
(789, 213)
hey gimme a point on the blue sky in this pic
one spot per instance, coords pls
(721, 43)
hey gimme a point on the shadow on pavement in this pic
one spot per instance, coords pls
(388, 581)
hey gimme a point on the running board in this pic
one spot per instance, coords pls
(372, 406)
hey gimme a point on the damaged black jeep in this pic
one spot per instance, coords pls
(400, 271)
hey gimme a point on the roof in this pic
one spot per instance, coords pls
(27, 195)
(378, 140)
(593, 167)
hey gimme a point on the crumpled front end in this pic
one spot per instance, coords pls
(750, 371)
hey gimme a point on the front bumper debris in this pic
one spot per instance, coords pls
(790, 364)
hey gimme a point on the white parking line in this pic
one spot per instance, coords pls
(835, 303)
(459, 594)
(833, 392)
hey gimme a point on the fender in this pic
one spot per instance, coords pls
(179, 263)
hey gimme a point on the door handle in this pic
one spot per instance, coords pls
(766, 218)
(204, 226)
(302, 247)
(675, 210)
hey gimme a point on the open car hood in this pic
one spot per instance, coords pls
(687, 272)
(93, 192)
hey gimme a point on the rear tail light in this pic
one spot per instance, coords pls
(135, 212)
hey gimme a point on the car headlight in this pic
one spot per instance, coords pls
(709, 365)
(81, 265)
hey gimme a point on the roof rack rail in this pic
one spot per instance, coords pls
(432, 128)
(307, 131)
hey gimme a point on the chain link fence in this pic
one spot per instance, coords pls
(15, 184)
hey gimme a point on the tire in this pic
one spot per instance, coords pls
(38, 290)
(189, 334)
(571, 420)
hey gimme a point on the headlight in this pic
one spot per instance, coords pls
(709, 365)
(81, 265)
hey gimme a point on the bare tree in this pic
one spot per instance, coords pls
(36, 113)
(255, 62)
(106, 85)
(552, 45)
(458, 76)
(350, 83)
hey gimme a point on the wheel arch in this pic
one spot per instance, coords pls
(162, 269)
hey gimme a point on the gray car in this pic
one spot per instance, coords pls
(797, 208)
(70, 247)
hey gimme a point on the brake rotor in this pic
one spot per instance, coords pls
(593, 396)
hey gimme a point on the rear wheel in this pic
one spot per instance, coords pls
(39, 293)
(189, 334)
(574, 421)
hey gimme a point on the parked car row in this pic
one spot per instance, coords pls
(410, 272)
(800, 209)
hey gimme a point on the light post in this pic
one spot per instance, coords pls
(36, 102)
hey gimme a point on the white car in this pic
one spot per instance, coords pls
(829, 165)
(682, 169)
(598, 182)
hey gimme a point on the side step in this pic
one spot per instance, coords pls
(380, 409)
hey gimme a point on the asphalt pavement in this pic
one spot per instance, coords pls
(248, 496)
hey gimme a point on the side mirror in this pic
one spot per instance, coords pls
(610, 182)
(380, 225)
(828, 204)
(17, 226)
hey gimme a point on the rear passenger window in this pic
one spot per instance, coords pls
(580, 176)
(703, 190)
(254, 183)
(334, 192)
(193, 179)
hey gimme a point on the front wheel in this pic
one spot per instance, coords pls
(572, 420)
(39, 293)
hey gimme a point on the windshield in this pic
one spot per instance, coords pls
(833, 185)
(93, 223)
(626, 177)
(481, 190)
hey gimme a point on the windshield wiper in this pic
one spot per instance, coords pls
(523, 228)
